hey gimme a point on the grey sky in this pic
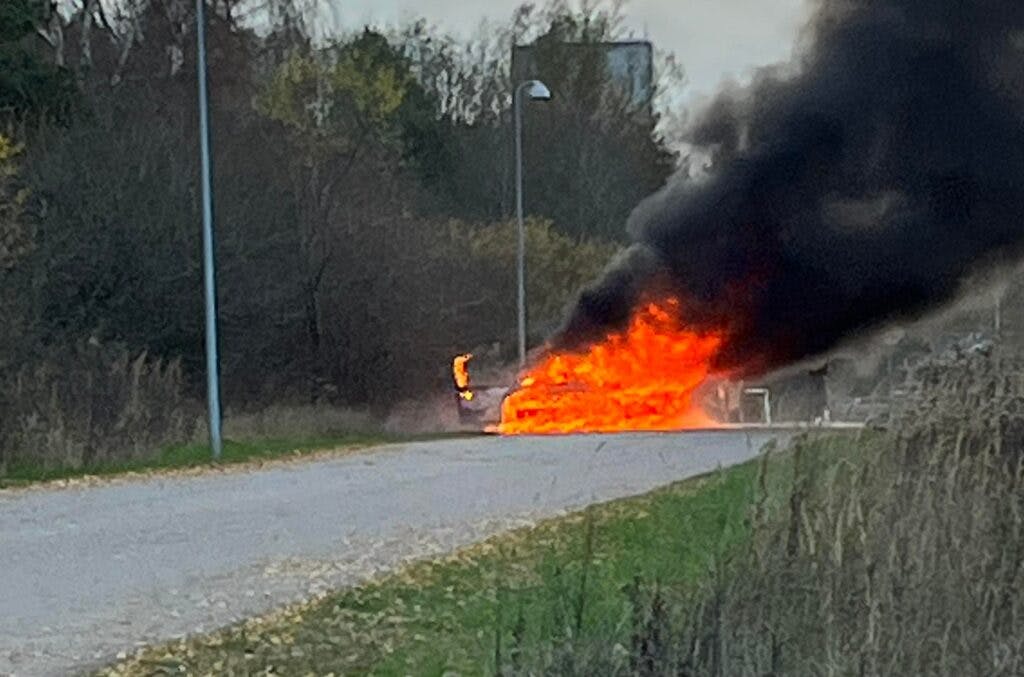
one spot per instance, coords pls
(713, 39)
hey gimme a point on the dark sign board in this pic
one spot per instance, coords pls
(630, 65)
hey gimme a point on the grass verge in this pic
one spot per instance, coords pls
(524, 594)
(191, 456)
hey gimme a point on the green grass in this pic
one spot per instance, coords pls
(568, 579)
(198, 455)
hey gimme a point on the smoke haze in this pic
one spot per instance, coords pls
(862, 184)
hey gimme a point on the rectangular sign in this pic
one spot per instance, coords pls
(629, 65)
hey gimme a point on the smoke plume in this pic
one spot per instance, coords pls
(862, 183)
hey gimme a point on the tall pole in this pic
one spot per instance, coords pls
(521, 249)
(998, 320)
(209, 269)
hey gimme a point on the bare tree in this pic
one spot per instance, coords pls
(52, 32)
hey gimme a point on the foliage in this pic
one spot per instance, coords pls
(113, 244)
(14, 239)
(18, 18)
(362, 203)
(592, 135)
(28, 84)
(447, 288)
(591, 154)
(16, 243)
(557, 266)
(341, 95)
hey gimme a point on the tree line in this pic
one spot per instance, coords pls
(363, 190)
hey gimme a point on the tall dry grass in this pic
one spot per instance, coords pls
(298, 422)
(898, 553)
(88, 405)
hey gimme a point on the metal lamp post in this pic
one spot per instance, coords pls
(209, 269)
(536, 91)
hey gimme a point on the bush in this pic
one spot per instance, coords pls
(558, 266)
(390, 332)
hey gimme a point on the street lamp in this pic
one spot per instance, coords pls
(209, 244)
(536, 91)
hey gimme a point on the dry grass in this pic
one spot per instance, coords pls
(90, 405)
(298, 422)
(900, 555)
(102, 410)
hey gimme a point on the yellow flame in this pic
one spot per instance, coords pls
(460, 369)
(645, 377)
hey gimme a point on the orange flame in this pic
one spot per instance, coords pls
(642, 379)
(460, 371)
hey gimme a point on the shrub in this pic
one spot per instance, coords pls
(558, 266)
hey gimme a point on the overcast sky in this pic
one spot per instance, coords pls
(713, 39)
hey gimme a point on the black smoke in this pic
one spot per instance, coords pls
(863, 183)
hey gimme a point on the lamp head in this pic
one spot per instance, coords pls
(538, 91)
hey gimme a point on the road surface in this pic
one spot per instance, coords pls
(89, 573)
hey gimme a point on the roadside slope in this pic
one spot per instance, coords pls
(93, 572)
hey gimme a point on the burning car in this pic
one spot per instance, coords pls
(654, 375)
(646, 377)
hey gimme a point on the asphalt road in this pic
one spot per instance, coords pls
(88, 573)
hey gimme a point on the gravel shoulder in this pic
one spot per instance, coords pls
(91, 572)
